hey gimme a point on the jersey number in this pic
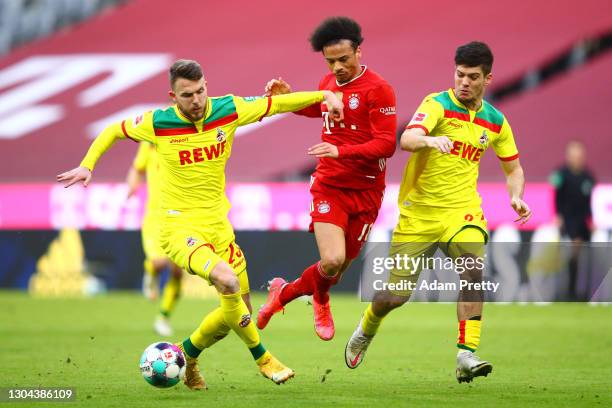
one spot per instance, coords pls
(327, 124)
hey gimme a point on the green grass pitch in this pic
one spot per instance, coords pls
(558, 355)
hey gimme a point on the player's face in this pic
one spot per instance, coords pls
(343, 60)
(190, 96)
(470, 84)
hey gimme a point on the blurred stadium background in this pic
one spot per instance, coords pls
(69, 67)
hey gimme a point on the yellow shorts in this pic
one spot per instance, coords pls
(421, 231)
(184, 234)
(150, 234)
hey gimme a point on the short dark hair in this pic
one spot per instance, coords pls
(475, 54)
(335, 29)
(187, 69)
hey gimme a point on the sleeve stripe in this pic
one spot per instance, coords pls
(125, 132)
(267, 109)
(509, 158)
(418, 126)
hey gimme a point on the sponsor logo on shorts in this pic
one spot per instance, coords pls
(191, 241)
(245, 320)
(353, 101)
(323, 207)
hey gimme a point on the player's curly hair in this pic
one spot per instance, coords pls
(334, 30)
(187, 69)
(475, 54)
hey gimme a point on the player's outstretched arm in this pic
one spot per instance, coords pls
(99, 146)
(415, 139)
(298, 100)
(278, 86)
(515, 180)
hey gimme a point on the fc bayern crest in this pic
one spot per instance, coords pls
(353, 101)
(323, 207)
(220, 135)
(484, 139)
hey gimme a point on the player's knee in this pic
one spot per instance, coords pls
(386, 301)
(332, 262)
(224, 279)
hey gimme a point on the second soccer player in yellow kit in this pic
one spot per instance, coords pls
(439, 204)
(194, 140)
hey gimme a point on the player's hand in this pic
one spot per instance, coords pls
(323, 150)
(277, 87)
(74, 176)
(441, 143)
(522, 209)
(335, 106)
(133, 182)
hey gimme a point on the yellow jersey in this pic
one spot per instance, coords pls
(448, 181)
(192, 155)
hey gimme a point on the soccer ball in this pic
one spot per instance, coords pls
(162, 364)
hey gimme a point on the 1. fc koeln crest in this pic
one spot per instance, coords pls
(220, 135)
(484, 139)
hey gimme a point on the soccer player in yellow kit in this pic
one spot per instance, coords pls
(146, 164)
(193, 139)
(438, 201)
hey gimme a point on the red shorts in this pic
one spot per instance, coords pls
(352, 210)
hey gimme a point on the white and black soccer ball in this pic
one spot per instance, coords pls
(162, 364)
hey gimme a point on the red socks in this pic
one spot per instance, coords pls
(323, 283)
(304, 285)
(312, 282)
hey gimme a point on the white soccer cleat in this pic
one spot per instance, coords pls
(355, 350)
(469, 365)
(150, 286)
(162, 326)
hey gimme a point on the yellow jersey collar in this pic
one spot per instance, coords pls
(451, 94)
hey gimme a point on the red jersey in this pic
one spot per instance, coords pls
(366, 136)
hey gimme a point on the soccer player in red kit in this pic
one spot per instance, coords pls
(348, 184)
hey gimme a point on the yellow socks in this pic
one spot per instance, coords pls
(211, 330)
(233, 314)
(170, 295)
(469, 334)
(370, 322)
